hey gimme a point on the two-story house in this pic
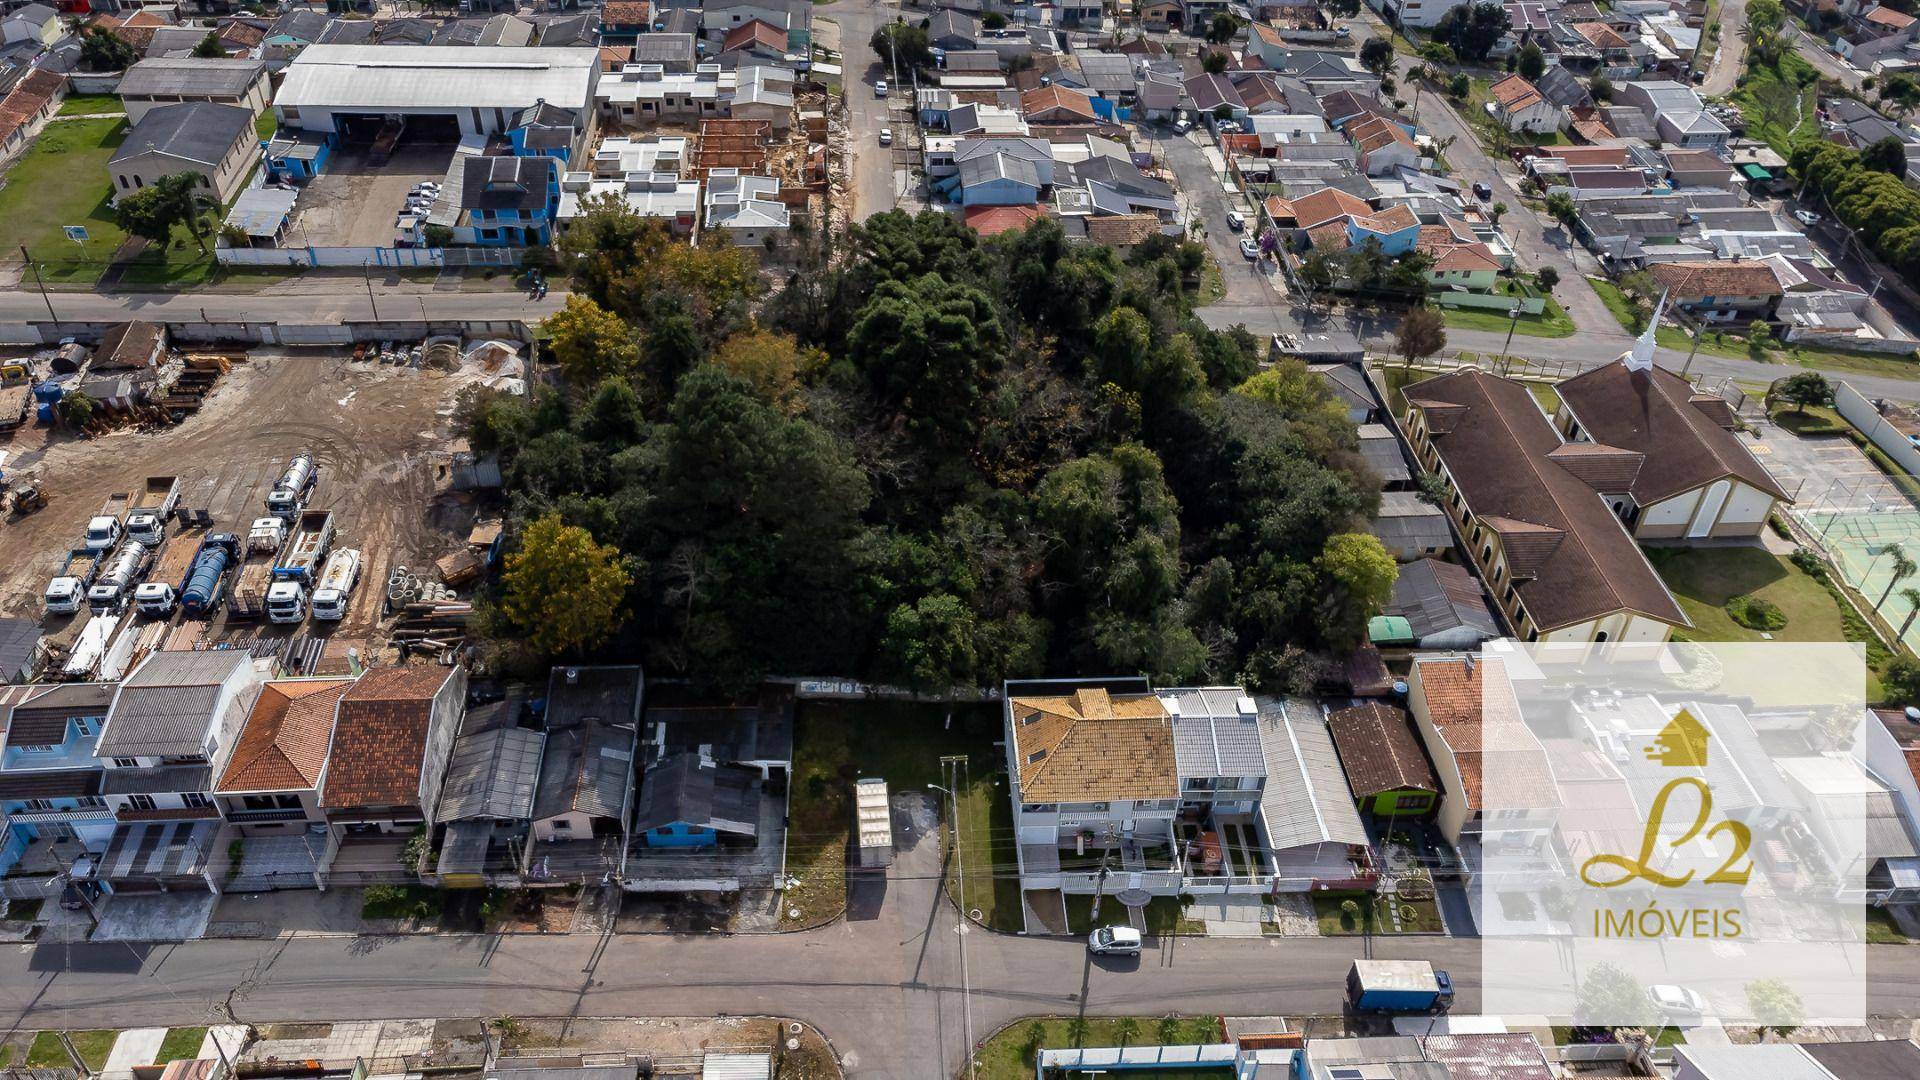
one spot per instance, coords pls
(508, 201)
(270, 787)
(50, 780)
(1520, 106)
(173, 722)
(392, 738)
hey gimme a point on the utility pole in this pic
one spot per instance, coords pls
(366, 275)
(950, 765)
(44, 298)
(1691, 353)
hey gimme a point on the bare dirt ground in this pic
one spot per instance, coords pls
(677, 1041)
(379, 433)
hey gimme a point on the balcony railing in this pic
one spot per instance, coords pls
(252, 816)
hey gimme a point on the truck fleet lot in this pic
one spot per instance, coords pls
(379, 438)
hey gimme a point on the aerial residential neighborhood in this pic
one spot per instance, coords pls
(603, 539)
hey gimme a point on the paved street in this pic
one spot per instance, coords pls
(874, 178)
(1196, 178)
(1731, 54)
(1829, 65)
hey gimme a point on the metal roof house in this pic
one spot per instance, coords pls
(580, 817)
(487, 799)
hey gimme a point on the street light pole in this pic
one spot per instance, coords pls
(44, 298)
(1513, 323)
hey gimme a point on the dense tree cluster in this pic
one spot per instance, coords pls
(1472, 30)
(939, 460)
(1876, 205)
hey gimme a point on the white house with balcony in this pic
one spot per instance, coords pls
(1122, 790)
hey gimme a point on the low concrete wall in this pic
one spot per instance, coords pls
(1531, 305)
(1828, 339)
(33, 334)
(1860, 412)
(94, 82)
(403, 258)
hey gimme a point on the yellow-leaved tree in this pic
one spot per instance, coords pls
(563, 590)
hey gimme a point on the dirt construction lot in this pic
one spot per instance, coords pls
(379, 434)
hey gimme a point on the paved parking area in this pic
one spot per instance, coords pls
(352, 203)
(1826, 472)
(174, 916)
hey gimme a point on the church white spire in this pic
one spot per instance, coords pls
(1640, 357)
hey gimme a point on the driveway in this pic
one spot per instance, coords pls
(1196, 178)
(172, 916)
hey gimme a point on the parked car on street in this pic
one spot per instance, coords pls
(1482, 190)
(1677, 1002)
(886, 136)
(1249, 249)
(880, 88)
(1806, 217)
(1236, 220)
(1114, 941)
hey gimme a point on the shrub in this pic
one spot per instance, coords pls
(1756, 613)
(1808, 562)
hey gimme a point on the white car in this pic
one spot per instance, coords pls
(1114, 941)
(1677, 1002)
(880, 88)
(886, 136)
(1236, 220)
(1250, 249)
(1806, 217)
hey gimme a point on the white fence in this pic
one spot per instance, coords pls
(1531, 305)
(1860, 412)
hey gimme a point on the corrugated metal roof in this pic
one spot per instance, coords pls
(438, 77)
(737, 1067)
(1307, 800)
(493, 775)
(1211, 735)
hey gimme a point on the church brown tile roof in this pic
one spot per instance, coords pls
(1654, 413)
(1090, 746)
(380, 739)
(1379, 750)
(283, 744)
(1498, 447)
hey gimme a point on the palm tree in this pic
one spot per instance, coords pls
(1903, 568)
(1912, 597)
(1127, 1027)
(1077, 1030)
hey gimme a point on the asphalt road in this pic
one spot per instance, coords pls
(1828, 64)
(875, 180)
(1731, 51)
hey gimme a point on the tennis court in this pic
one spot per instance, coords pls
(1870, 541)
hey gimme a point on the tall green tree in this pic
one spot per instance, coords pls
(1532, 63)
(589, 342)
(562, 591)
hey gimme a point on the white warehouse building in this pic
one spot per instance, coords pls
(464, 90)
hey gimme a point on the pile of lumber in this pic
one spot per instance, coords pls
(436, 626)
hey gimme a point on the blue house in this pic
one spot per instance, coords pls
(508, 201)
(689, 801)
(996, 179)
(1396, 228)
(49, 778)
(543, 130)
(298, 156)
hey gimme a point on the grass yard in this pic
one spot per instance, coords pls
(1373, 917)
(1617, 303)
(401, 902)
(839, 742)
(93, 1047)
(1704, 579)
(1780, 102)
(1894, 367)
(181, 1044)
(1551, 323)
(266, 124)
(1008, 1053)
(91, 105)
(1164, 914)
(1881, 929)
(1809, 421)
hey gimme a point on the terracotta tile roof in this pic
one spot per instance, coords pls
(1600, 35)
(1593, 130)
(1609, 470)
(1514, 93)
(994, 220)
(28, 96)
(1455, 258)
(1279, 209)
(1326, 205)
(1654, 414)
(283, 744)
(1048, 98)
(1269, 34)
(1122, 230)
(243, 34)
(1496, 445)
(1720, 277)
(626, 13)
(1886, 16)
(755, 32)
(1090, 746)
(380, 739)
(614, 57)
(1379, 750)
(1473, 711)
(1330, 237)
(1391, 220)
(1588, 155)
(1376, 127)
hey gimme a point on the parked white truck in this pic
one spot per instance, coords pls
(289, 495)
(124, 569)
(253, 583)
(147, 517)
(167, 579)
(300, 565)
(68, 589)
(336, 585)
(104, 528)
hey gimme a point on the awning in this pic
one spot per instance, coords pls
(1389, 630)
(165, 849)
(1755, 172)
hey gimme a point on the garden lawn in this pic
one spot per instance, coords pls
(1617, 303)
(1704, 579)
(1164, 915)
(1881, 929)
(1008, 1054)
(1551, 323)
(1894, 367)
(62, 180)
(181, 1044)
(1809, 421)
(91, 104)
(839, 742)
(1336, 923)
(93, 1046)
(401, 902)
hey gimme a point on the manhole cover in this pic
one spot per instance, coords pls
(1133, 897)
